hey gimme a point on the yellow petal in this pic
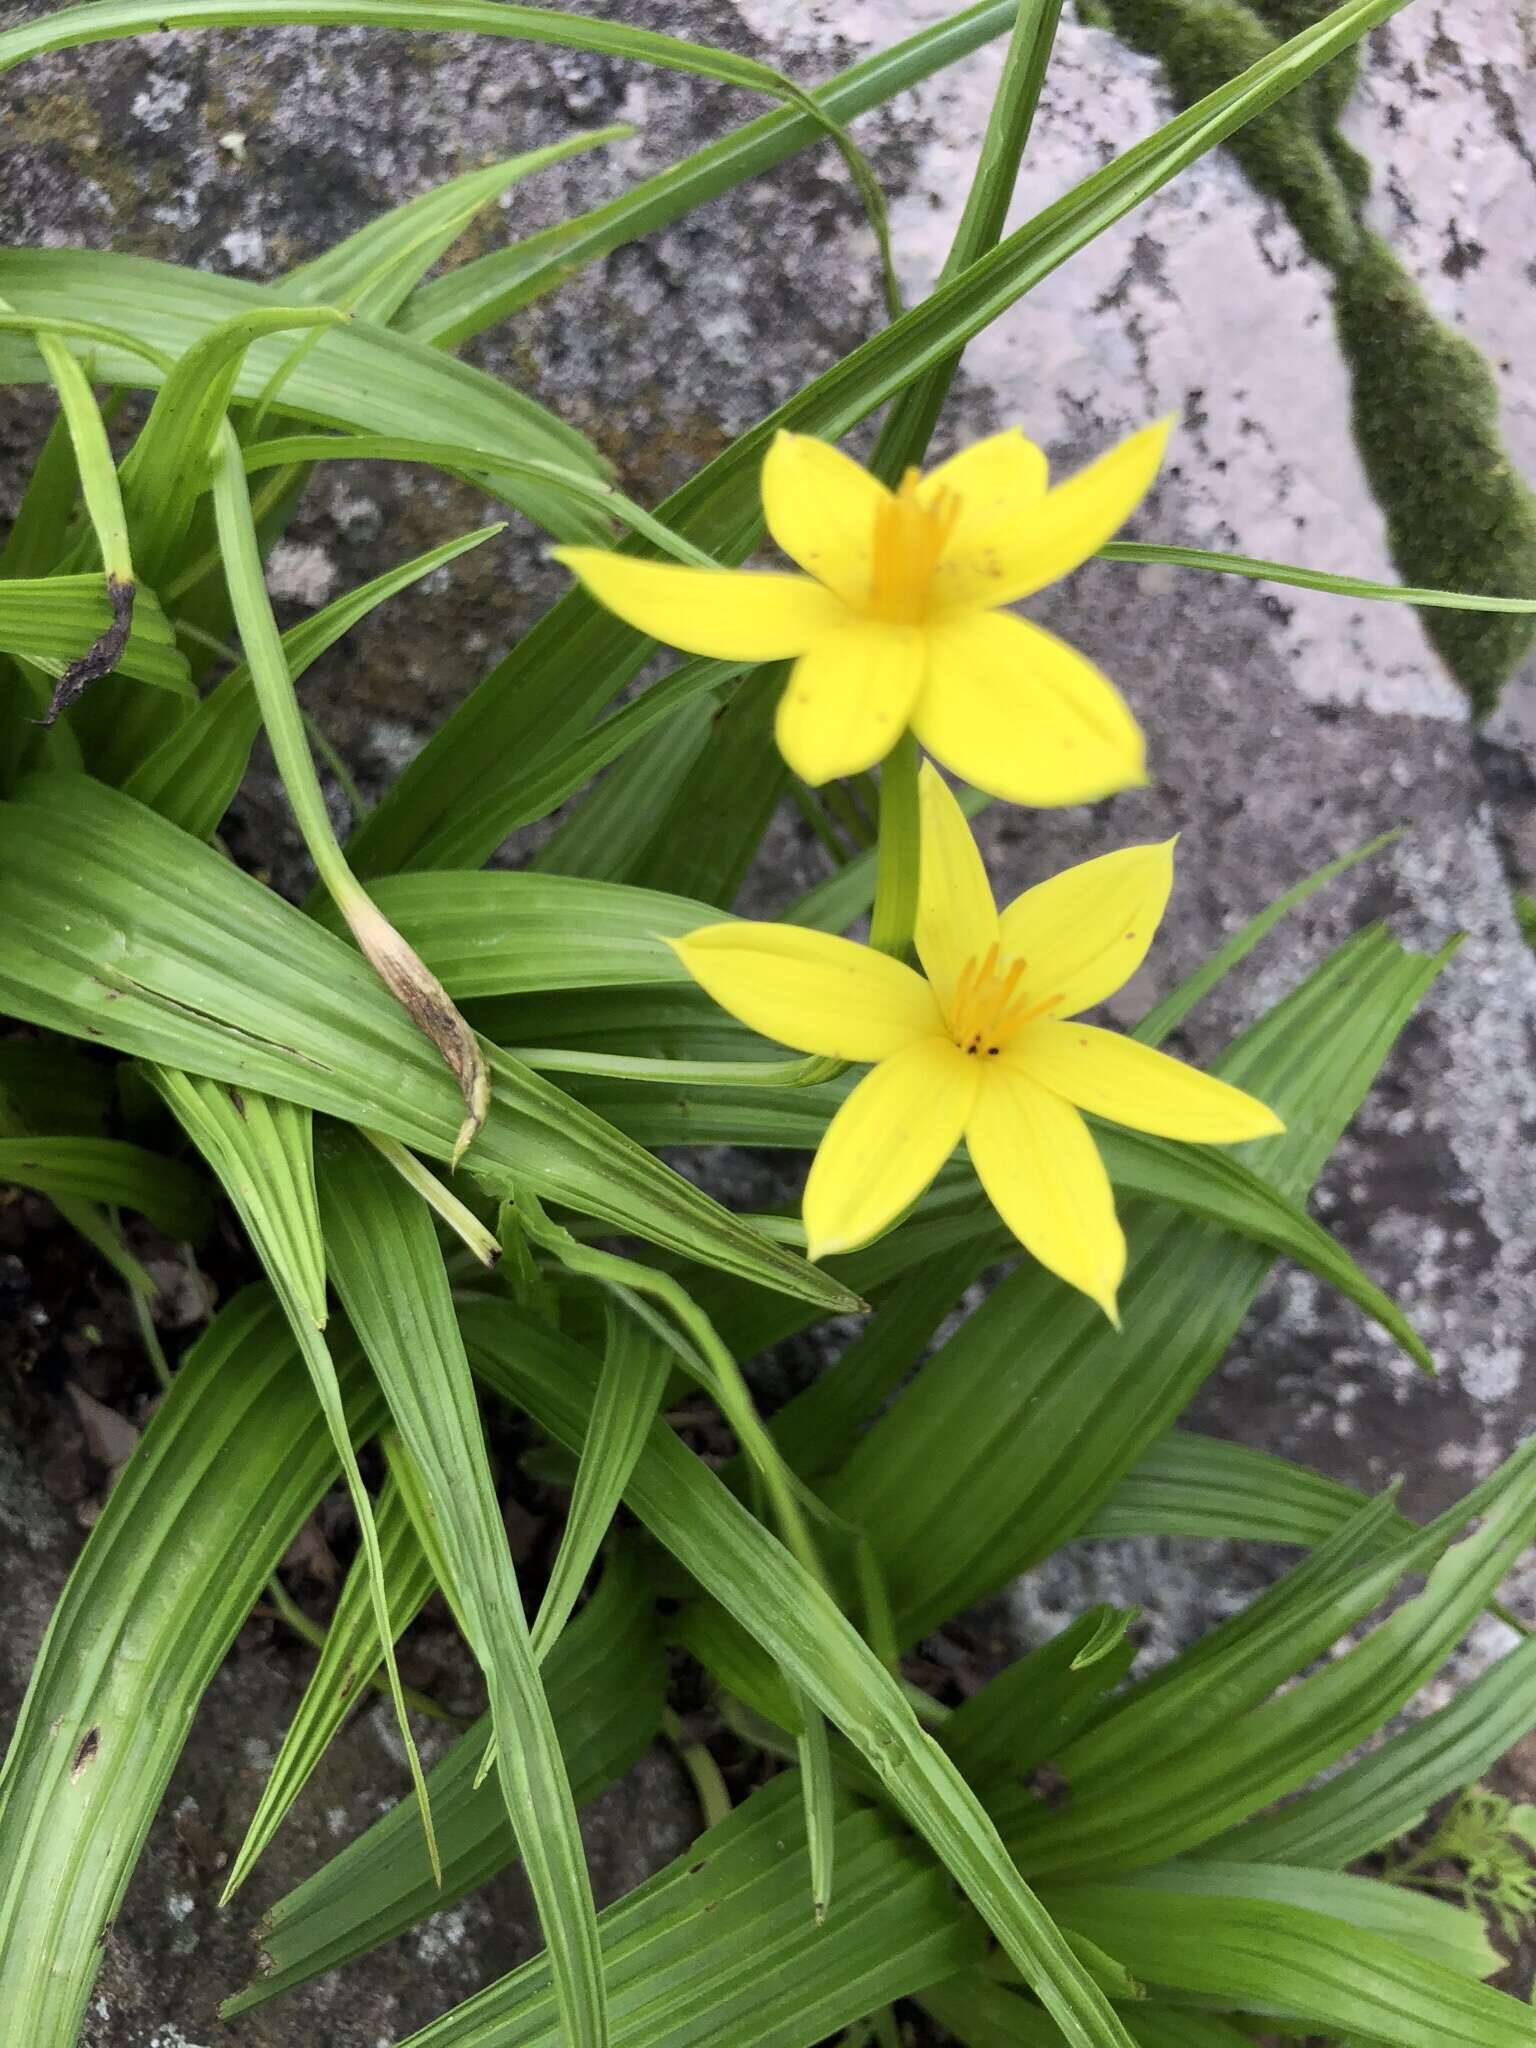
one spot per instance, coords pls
(729, 614)
(886, 1143)
(1036, 1159)
(994, 485)
(811, 990)
(1130, 1083)
(1085, 932)
(820, 506)
(1010, 707)
(956, 917)
(849, 698)
(1016, 555)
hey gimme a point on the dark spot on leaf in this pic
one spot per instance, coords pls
(90, 1743)
(98, 660)
(695, 1868)
(238, 1101)
(1050, 1786)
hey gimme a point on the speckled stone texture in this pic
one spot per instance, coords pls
(1286, 727)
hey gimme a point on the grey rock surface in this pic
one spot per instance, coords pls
(1286, 727)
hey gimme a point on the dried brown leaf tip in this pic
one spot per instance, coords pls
(430, 1007)
(99, 659)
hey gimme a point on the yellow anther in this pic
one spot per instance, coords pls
(983, 1015)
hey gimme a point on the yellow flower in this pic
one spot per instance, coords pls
(981, 1049)
(897, 621)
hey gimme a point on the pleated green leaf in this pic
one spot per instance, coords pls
(109, 1170)
(114, 926)
(351, 1656)
(357, 376)
(52, 620)
(1259, 1956)
(1227, 1749)
(636, 1366)
(384, 1258)
(1452, 1936)
(605, 1680)
(230, 1464)
(262, 1150)
(1186, 1484)
(737, 1560)
(1388, 1793)
(716, 1948)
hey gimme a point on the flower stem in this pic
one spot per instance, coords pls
(895, 910)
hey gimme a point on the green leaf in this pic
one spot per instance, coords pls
(418, 991)
(605, 1680)
(735, 1558)
(1034, 1707)
(358, 377)
(374, 271)
(1165, 1017)
(351, 1657)
(191, 777)
(388, 1268)
(718, 1947)
(112, 1171)
(1258, 1956)
(1200, 1180)
(1310, 579)
(634, 1377)
(1032, 1442)
(168, 468)
(105, 19)
(1386, 1794)
(610, 831)
(494, 933)
(1225, 1749)
(1446, 1934)
(1186, 1484)
(578, 656)
(389, 1272)
(228, 1467)
(709, 833)
(262, 1151)
(50, 620)
(114, 926)
(447, 310)
(982, 2013)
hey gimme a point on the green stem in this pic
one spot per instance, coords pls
(710, 1788)
(895, 910)
(910, 423)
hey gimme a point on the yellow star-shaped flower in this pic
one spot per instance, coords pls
(987, 1047)
(897, 621)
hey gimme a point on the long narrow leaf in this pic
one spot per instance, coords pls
(634, 1377)
(262, 1151)
(736, 1559)
(118, 928)
(384, 1257)
(230, 1464)
(351, 1656)
(605, 1679)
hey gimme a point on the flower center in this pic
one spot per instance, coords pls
(987, 1008)
(909, 538)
